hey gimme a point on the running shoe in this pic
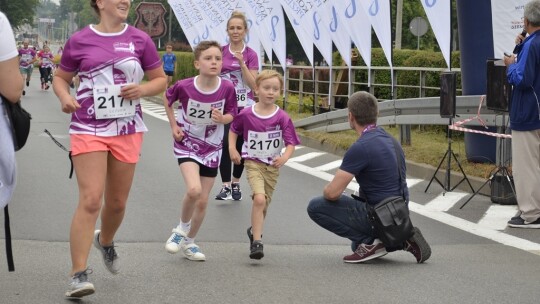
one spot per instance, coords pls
(28, 83)
(418, 246)
(173, 244)
(518, 222)
(224, 194)
(23, 92)
(366, 252)
(256, 249)
(236, 193)
(110, 258)
(79, 285)
(193, 252)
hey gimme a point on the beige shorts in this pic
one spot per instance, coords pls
(262, 178)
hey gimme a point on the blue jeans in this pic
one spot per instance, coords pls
(345, 217)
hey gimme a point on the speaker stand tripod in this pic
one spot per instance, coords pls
(501, 169)
(448, 157)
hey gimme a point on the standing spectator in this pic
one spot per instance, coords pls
(169, 63)
(45, 66)
(240, 65)
(262, 123)
(106, 130)
(26, 64)
(11, 86)
(373, 162)
(207, 102)
(523, 74)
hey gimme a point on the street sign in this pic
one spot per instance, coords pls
(150, 19)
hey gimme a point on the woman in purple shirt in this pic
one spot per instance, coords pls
(240, 65)
(106, 127)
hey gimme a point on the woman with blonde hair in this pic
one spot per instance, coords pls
(240, 65)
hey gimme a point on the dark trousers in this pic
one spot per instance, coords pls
(225, 165)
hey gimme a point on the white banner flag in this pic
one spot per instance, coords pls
(215, 15)
(305, 12)
(507, 20)
(438, 13)
(190, 20)
(357, 25)
(268, 20)
(378, 12)
(337, 30)
(305, 40)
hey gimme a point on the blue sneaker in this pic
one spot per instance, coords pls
(224, 194)
(193, 252)
(174, 242)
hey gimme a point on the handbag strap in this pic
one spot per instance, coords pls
(394, 141)
(9, 252)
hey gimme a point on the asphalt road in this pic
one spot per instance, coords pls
(473, 260)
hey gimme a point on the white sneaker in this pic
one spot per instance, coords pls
(173, 243)
(192, 252)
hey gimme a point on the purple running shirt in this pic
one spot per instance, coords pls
(203, 139)
(264, 135)
(46, 59)
(232, 71)
(104, 60)
(27, 55)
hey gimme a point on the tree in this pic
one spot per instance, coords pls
(19, 12)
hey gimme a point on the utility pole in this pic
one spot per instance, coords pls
(399, 21)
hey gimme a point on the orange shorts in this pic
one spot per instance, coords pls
(125, 148)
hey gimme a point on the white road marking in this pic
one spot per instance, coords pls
(445, 201)
(497, 216)
(306, 156)
(329, 166)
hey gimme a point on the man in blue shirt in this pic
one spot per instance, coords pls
(373, 162)
(169, 63)
(523, 74)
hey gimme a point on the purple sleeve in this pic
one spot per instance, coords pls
(67, 63)
(150, 59)
(289, 132)
(252, 61)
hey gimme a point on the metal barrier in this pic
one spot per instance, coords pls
(414, 111)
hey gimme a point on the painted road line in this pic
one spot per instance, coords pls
(497, 216)
(329, 166)
(475, 228)
(445, 200)
(305, 157)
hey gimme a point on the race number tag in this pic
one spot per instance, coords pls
(109, 104)
(241, 98)
(200, 113)
(264, 144)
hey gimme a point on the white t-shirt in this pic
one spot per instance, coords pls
(8, 50)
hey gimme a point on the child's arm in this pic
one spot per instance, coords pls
(218, 117)
(177, 131)
(234, 154)
(279, 161)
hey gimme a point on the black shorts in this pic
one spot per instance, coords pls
(169, 73)
(203, 170)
